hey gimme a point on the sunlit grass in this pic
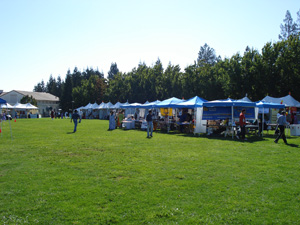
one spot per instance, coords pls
(49, 175)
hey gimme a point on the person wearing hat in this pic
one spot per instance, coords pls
(281, 121)
(149, 124)
(75, 117)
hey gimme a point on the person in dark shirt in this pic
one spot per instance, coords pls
(149, 124)
(75, 117)
(281, 121)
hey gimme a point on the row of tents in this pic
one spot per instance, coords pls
(267, 102)
(231, 105)
(17, 106)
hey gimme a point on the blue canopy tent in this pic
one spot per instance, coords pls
(195, 103)
(132, 105)
(263, 104)
(149, 105)
(191, 103)
(168, 103)
(2, 101)
(130, 108)
(229, 103)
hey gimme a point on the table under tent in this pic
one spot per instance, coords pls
(227, 110)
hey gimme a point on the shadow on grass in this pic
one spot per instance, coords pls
(251, 138)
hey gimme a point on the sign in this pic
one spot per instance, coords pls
(216, 113)
(222, 113)
(250, 112)
(166, 111)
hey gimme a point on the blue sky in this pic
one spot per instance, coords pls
(40, 38)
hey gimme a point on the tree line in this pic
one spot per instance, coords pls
(274, 72)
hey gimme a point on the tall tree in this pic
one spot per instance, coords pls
(66, 97)
(206, 55)
(40, 87)
(113, 71)
(51, 86)
(288, 28)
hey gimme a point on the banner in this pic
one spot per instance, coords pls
(222, 113)
(216, 113)
(166, 111)
(249, 112)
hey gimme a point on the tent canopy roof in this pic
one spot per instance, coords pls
(132, 105)
(2, 101)
(263, 104)
(192, 103)
(288, 101)
(149, 105)
(228, 102)
(168, 103)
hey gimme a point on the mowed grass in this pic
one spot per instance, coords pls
(49, 175)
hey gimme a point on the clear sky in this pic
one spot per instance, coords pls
(40, 38)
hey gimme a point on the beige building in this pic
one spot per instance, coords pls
(45, 101)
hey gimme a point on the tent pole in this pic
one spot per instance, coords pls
(232, 121)
(168, 129)
(10, 130)
(263, 122)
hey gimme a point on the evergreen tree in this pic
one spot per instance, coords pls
(66, 97)
(113, 71)
(28, 99)
(288, 28)
(40, 87)
(206, 55)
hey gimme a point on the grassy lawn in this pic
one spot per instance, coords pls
(49, 175)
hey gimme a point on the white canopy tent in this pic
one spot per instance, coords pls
(288, 101)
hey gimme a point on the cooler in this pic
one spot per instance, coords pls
(295, 129)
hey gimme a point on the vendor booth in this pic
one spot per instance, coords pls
(3, 105)
(291, 105)
(167, 122)
(195, 103)
(227, 110)
(264, 108)
(25, 111)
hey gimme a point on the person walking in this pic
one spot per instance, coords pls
(281, 122)
(149, 124)
(242, 120)
(75, 117)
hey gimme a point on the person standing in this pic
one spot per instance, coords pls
(242, 120)
(149, 124)
(52, 114)
(75, 117)
(120, 119)
(112, 121)
(281, 122)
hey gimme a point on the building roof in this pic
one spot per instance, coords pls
(39, 96)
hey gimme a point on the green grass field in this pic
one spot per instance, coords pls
(49, 175)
